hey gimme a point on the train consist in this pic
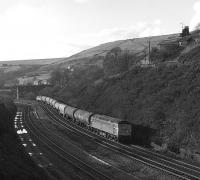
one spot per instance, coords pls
(109, 127)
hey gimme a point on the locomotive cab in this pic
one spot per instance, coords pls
(124, 132)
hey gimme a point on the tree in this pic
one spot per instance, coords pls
(30, 96)
(123, 61)
(116, 61)
(2, 78)
(60, 76)
(116, 51)
(56, 76)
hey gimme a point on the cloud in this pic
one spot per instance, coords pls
(81, 1)
(157, 22)
(196, 18)
(31, 32)
(141, 29)
(38, 31)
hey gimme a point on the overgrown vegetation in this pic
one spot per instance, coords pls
(165, 53)
(165, 98)
(72, 82)
(14, 163)
(117, 61)
(191, 57)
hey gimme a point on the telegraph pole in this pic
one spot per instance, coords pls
(149, 51)
(17, 93)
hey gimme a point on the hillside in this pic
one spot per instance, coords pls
(12, 71)
(95, 55)
(31, 61)
(164, 98)
(163, 95)
(42, 68)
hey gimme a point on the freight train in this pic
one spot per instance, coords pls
(106, 126)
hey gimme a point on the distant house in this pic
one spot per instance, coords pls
(185, 31)
(189, 40)
(183, 43)
(37, 82)
(45, 82)
(145, 62)
(25, 81)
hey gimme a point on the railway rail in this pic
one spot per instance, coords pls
(69, 158)
(175, 167)
(125, 172)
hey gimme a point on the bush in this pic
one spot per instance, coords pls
(117, 61)
(191, 57)
(166, 53)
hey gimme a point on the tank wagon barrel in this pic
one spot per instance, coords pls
(43, 98)
(57, 104)
(38, 98)
(83, 117)
(53, 103)
(48, 100)
(69, 112)
(61, 108)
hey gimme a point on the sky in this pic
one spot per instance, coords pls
(34, 29)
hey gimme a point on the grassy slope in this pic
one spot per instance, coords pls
(134, 45)
(90, 56)
(31, 61)
(165, 98)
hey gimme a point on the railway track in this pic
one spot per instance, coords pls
(127, 174)
(175, 167)
(69, 158)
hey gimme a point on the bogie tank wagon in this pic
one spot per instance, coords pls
(83, 117)
(69, 112)
(61, 108)
(53, 103)
(57, 104)
(48, 100)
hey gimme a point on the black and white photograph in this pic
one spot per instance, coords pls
(99, 90)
